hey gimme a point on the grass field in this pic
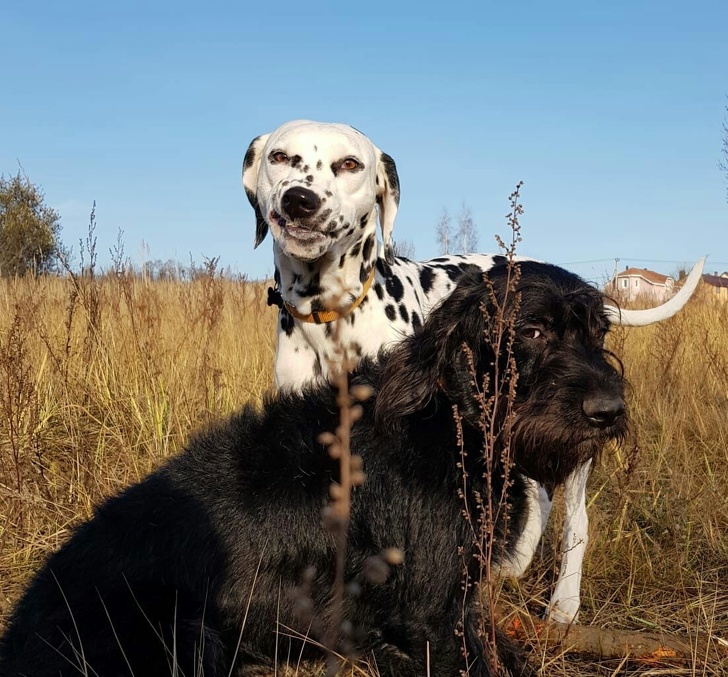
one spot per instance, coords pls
(102, 378)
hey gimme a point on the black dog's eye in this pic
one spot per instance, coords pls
(532, 333)
(278, 157)
(350, 164)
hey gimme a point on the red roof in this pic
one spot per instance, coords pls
(649, 275)
(715, 280)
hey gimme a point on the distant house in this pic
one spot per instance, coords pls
(640, 283)
(716, 285)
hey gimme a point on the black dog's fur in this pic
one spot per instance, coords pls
(201, 564)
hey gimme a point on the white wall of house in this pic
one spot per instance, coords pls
(633, 286)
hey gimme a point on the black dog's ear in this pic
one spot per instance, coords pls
(251, 167)
(442, 355)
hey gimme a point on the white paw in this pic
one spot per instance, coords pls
(564, 611)
(511, 568)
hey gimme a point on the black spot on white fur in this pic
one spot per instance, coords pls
(384, 268)
(452, 271)
(427, 277)
(287, 320)
(368, 247)
(395, 288)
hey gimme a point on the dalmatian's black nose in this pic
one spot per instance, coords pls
(603, 410)
(300, 203)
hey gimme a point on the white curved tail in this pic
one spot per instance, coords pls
(640, 318)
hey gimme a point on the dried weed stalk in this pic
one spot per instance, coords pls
(496, 395)
(338, 633)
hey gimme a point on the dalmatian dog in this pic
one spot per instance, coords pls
(320, 188)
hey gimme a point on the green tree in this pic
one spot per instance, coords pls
(29, 229)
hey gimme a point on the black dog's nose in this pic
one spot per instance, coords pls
(300, 203)
(603, 410)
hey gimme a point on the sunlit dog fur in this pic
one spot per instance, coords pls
(198, 569)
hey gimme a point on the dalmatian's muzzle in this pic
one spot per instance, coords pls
(300, 215)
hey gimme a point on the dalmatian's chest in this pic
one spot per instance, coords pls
(396, 305)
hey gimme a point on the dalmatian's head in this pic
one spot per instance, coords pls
(316, 185)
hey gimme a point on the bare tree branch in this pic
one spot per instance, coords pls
(467, 236)
(404, 249)
(444, 232)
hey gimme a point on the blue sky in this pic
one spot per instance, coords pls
(611, 113)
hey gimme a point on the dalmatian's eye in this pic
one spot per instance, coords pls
(532, 333)
(350, 164)
(279, 157)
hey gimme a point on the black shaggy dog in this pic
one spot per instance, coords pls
(198, 569)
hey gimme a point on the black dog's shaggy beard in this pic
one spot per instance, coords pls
(550, 435)
(549, 454)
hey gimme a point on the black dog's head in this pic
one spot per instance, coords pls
(531, 329)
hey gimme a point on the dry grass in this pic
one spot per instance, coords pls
(101, 379)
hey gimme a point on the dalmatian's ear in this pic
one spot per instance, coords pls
(388, 201)
(251, 166)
